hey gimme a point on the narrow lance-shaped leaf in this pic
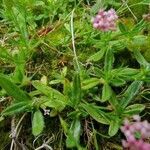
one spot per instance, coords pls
(70, 141)
(95, 8)
(46, 90)
(117, 82)
(141, 60)
(76, 128)
(96, 113)
(146, 2)
(114, 102)
(137, 28)
(1, 118)
(37, 123)
(67, 88)
(12, 89)
(90, 83)
(5, 55)
(64, 125)
(19, 73)
(53, 96)
(109, 60)
(76, 92)
(114, 126)
(127, 74)
(106, 92)
(73, 136)
(113, 3)
(57, 104)
(97, 56)
(134, 109)
(130, 93)
(124, 29)
(16, 108)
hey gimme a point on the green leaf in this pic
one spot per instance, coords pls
(39, 3)
(96, 144)
(123, 28)
(1, 118)
(53, 97)
(16, 108)
(114, 102)
(117, 82)
(53, 113)
(64, 125)
(5, 55)
(109, 60)
(55, 82)
(139, 41)
(99, 4)
(19, 19)
(130, 93)
(46, 90)
(52, 102)
(112, 3)
(37, 123)
(90, 83)
(18, 73)
(76, 92)
(97, 56)
(8, 4)
(114, 126)
(70, 141)
(134, 109)
(146, 2)
(127, 74)
(64, 72)
(67, 88)
(106, 92)
(76, 129)
(118, 45)
(12, 89)
(137, 28)
(73, 136)
(96, 113)
(141, 60)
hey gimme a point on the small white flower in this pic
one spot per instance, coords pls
(2, 99)
(46, 111)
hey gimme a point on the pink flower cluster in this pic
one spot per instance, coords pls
(136, 132)
(105, 20)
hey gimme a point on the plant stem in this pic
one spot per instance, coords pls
(73, 42)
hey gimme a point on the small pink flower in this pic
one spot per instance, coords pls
(137, 118)
(105, 20)
(125, 144)
(132, 129)
(126, 122)
(136, 132)
(95, 25)
(131, 138)
(146, 124)
(138, 126)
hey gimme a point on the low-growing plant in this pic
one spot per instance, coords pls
(97, 91)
